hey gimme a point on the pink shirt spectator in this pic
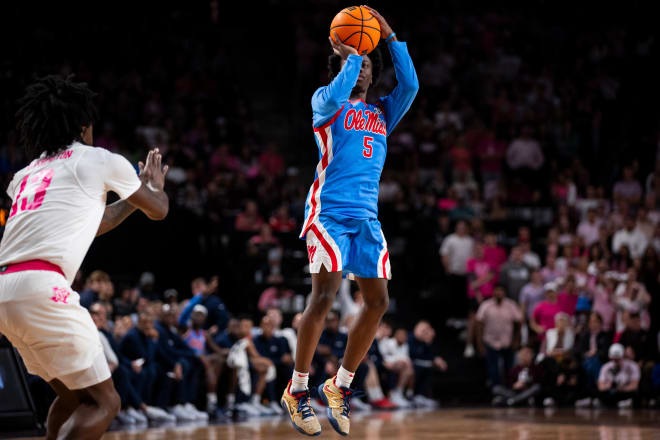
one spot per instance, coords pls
(495, 255)
(481, 269)
(272, 297)
(567, 302)
(544, 314)
(604, 307)
(490, 152)
(498, 321)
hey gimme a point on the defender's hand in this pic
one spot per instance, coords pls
(385, 29)
(341, 49)
(151, 172)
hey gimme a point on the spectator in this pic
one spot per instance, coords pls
(481, 280)
(281, 222)
(637, 342)
(249, 220)
(514, 274)
(561, 369)
(628, 188)
(589, 228)
(524, 381)
(525, 152)
(275, 348)
(618, 380)
(456, 249)
(531, 294)
(127, 302)
(493, 253)
(551, 272)
(206, 295)
(498, 333)
(590, 350)
(568, 297)
(543, 316)
(604, 302)
(631, 238)
(631, 297)
(275, 296)
(97, 288)
(396, 358)
(425, 361)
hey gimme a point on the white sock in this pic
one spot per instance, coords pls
(344, 377)
(255, 399)
(211, 398)
(374, 394)
(299, 381)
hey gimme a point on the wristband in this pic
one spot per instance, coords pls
(392, 35)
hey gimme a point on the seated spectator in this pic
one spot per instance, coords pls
(425, 361)
(149, 366)
(249, 220)
(498, 332)
(524, 381)
(628, 188)
(637, 342)
(618, 380)
(590, 350)
(191, 369)
(275, 348)
(263, 242)
(561, 368)
(559, 340)
(604, 302)
(127, 302)
(396, 358)
(211, 356)
(98, 288)
(130, 400)
(206, 295)
(543, 316)
(631, 297)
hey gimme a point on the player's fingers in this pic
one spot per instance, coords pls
(141, 167)
(159, 159)
(149, 156)
(166, 168)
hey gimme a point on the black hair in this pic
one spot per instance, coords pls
(52, 113)
(376, 57)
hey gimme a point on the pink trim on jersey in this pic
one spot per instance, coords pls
(33, 265)
(353, 101)
(326, 246)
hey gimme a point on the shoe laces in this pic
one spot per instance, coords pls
(304, 407)
(347, 394)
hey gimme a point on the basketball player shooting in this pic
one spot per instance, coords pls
(59, 206)
(341, 227)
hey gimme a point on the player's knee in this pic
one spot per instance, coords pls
(379, 304)
(322, 302)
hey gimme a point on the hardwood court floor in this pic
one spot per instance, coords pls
(444, 424)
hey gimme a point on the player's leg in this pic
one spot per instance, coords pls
(362, 333)
(324, 288)
(61, 409)
(99, 405)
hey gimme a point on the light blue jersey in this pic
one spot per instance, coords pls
(352, 140)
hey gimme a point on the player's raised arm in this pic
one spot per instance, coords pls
(328, 100)
(397, 103)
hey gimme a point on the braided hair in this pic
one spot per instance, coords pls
(52, 114)
(376, 57)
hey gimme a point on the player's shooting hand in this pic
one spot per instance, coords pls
(341, 49)
(385, 29)
(152, 172)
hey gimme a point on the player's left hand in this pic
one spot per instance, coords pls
(385, 29)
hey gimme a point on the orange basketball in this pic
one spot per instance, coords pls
(355, 26)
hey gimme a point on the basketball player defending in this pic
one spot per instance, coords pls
(341, 227)
(59, 206)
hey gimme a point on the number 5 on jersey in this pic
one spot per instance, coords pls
(38, 184)
(368, 148)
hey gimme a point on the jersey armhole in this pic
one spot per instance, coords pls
(331, 121)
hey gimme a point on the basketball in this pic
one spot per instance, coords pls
(356, 27)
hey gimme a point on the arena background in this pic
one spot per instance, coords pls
(200, 79)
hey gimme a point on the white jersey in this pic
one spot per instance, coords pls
(58, 203)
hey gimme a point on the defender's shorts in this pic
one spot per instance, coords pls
(56, 337)
(355, 246)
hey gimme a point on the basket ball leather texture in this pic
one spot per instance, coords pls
(356, 27)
